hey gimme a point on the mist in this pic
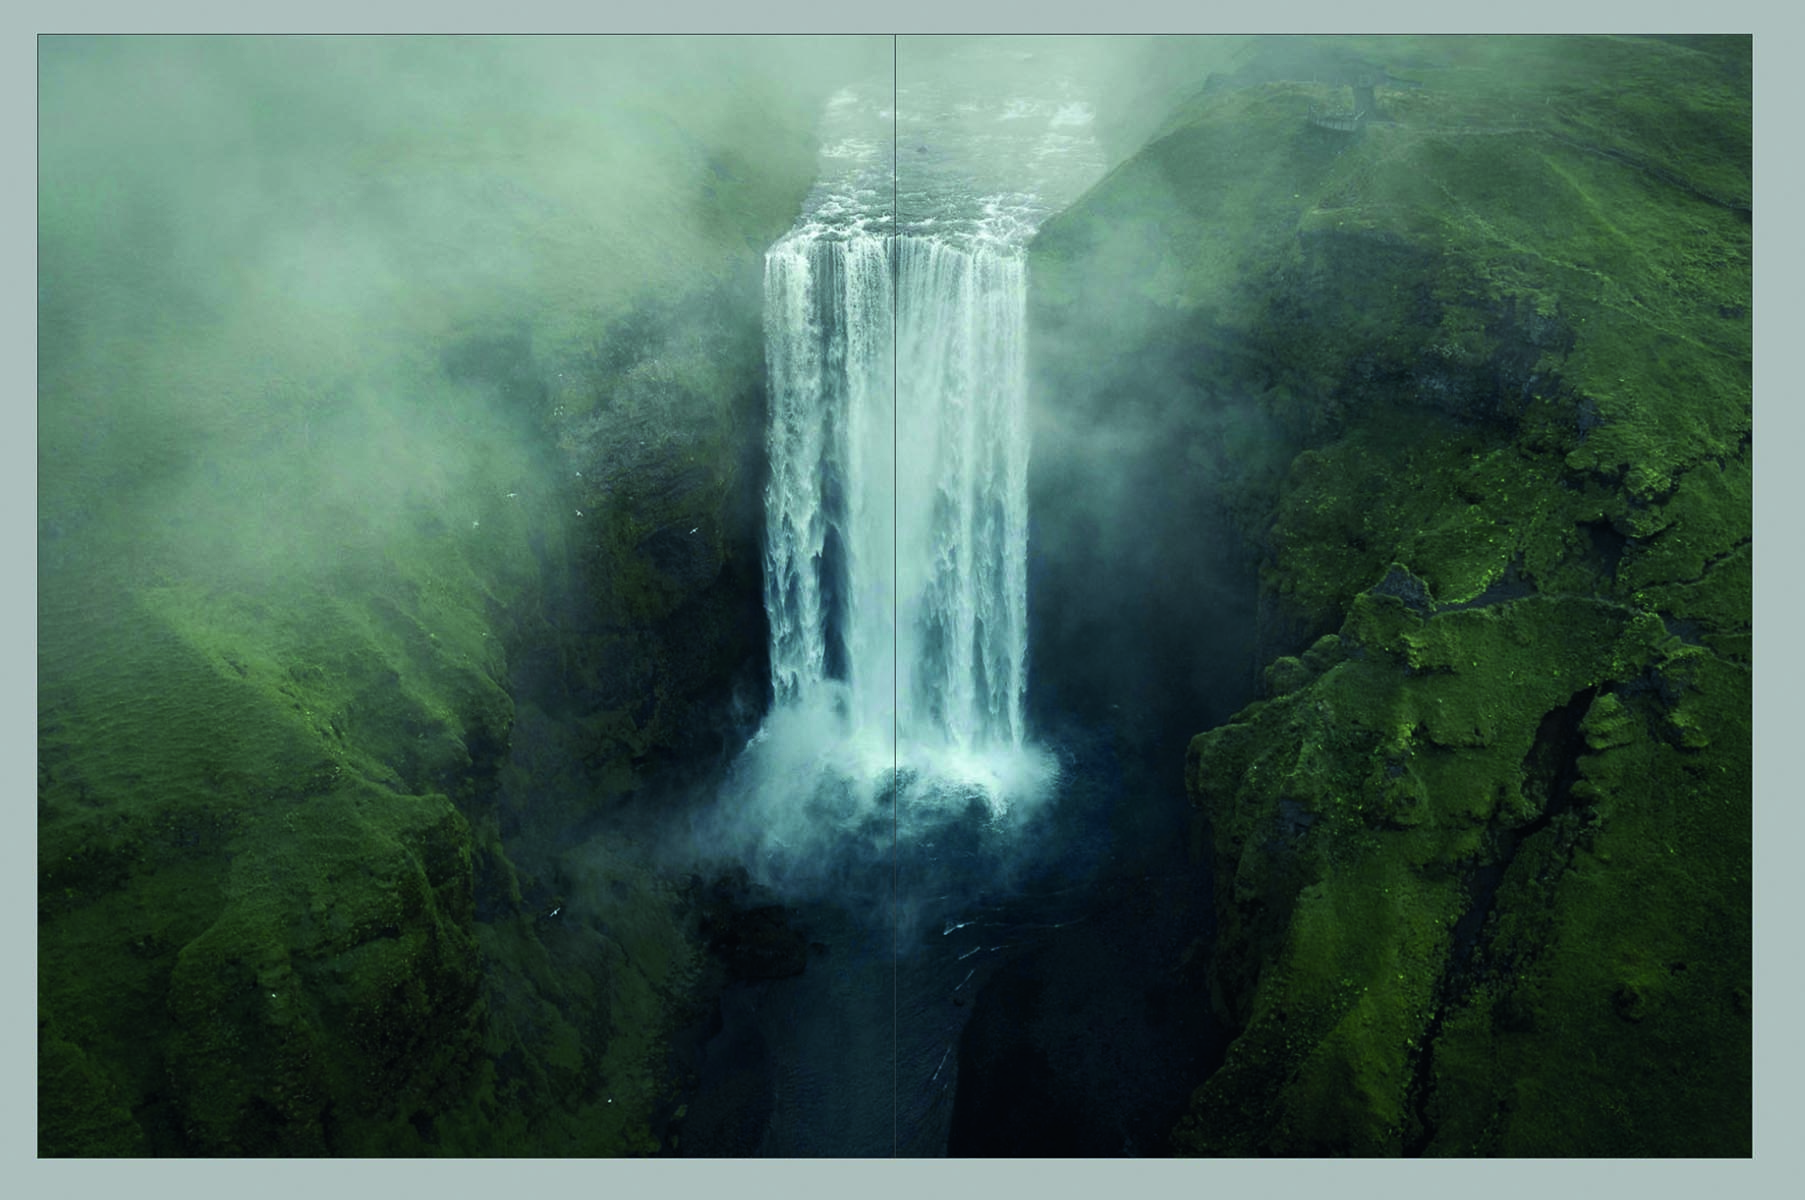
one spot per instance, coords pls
(256, 254)
(312, 306)
(844, 595)
(885, 738)
(397, 478)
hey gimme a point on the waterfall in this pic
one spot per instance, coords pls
(896, 513)
(962, 511)
(896, 522)
(828, 506)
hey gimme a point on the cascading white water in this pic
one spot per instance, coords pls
(962, 522)
(896, 522)
(893, 791)
(896, 515)
(828, 314)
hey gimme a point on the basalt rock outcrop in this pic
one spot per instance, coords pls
(1482, 850)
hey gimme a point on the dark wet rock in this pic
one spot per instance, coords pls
(756, 943)
(1400, 584)
(1436, 912)
(1087, 1047)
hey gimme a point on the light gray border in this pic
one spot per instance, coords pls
(1777, 715)
(914, 16)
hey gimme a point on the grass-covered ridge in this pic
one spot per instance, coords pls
(1483, 853)
(321, 533)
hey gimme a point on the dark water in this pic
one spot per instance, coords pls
(1019, 982)
(1034, 994)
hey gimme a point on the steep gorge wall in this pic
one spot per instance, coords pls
(371, 452)
(1482, 851)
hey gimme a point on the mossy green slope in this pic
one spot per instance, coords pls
(1483, 855)
(306, 532)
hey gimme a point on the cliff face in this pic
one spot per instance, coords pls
(395, 461)
(390, 543)
(1482, 853)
